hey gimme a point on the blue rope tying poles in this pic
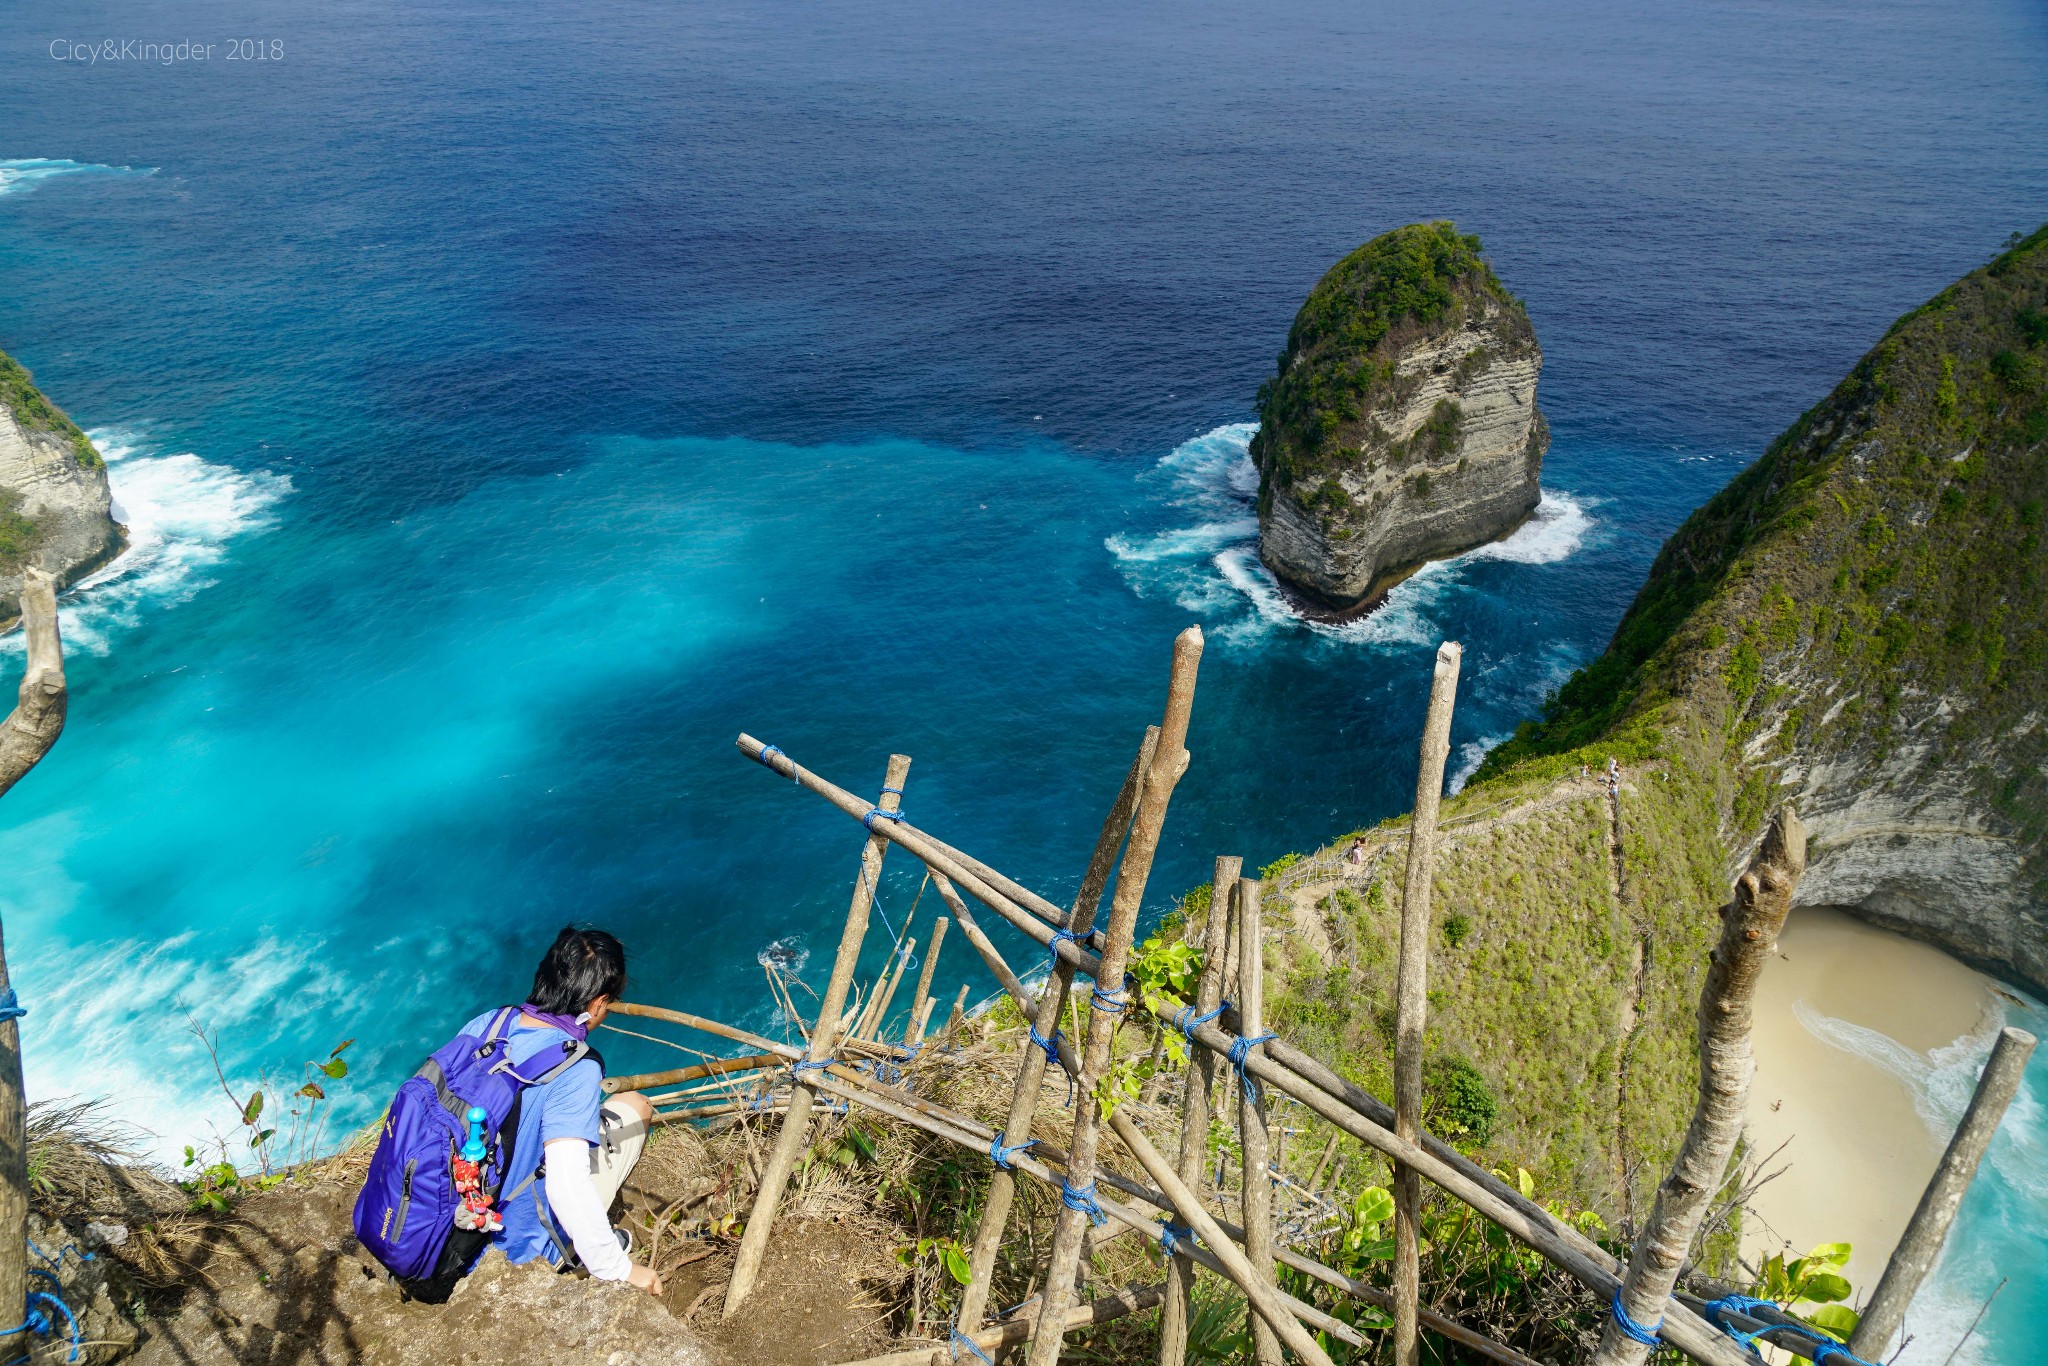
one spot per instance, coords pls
(11, 1009)
(767, 750)
(1824, 1348)
(878, 814)
(961, 1339)
(1187, 1022)
(1002, 1153)
(1236, 1056)
(1172, 1235)
(1052, 948)
(1082, 1201)
(1630, 1329)
(1051, 1049)
(1109, 1002)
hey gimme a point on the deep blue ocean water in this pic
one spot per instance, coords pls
(513, 403)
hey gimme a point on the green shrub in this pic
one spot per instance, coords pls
(1457, 929)
(19, 535)
(1457, 1100)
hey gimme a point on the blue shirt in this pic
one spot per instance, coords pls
(566, 1107)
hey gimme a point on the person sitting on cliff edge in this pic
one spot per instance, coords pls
(588, 1144)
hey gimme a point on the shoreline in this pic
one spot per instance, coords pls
(1851, 1020)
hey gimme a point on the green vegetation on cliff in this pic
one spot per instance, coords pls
(37, 414)
(1339, 364)
(1872, 585)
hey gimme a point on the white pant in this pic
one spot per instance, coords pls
(623, 1136)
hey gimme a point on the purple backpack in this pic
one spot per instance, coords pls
(406, 1215)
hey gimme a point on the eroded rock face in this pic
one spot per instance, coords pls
(1403, 424)
(55, 509)
(1904, 840)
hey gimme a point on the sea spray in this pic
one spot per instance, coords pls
(181, 512)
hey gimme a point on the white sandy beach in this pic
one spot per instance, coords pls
(1846, 1019)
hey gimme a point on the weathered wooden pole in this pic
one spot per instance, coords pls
(1032, 1060)
(25, 737)
(920, 1001)
(1749, 935)
(796, 1126)
(1412, 1000)
(1130, 1300)
(1199, 1082)
(1254, 1133)
(1921, 1243)
(886, 992)
(1315, 1178)
(864, 1090)
(958, 1016)
(1169, 761)
(1269, 1306)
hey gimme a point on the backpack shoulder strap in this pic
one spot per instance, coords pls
(500, 1022)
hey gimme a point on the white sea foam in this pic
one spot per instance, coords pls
(180, 512)
(785, 955)
(1210, 564)
(122, 1014)
(1941, 1084)
(1470, 756)
(25, 173)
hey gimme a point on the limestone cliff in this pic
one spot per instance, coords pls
(1402, 426)
(55, 510)
(1860, 623)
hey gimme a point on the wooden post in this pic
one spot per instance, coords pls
(796, 1126)
(1412, 1002)
(25, 737)
(958, 1017)
(1315, 1179)
(860, 1089)
(1002, 1190)
(1749, 935)
(1169, 760)
(1254, 1135)
(1194, 1123)
(1366, 1118)
(885, 992)
(1921, 1243)
(913, 1033)
(1268, 1305)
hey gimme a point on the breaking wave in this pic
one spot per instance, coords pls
(1209, 562)
(25, 173)
(181, 512)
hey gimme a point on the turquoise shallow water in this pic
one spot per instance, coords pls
(511, 407)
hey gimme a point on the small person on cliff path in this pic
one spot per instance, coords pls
(574, 1145)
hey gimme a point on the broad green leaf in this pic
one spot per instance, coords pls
(253, 1109)
(1526, 1182)
(1836, 1320)
(1824, 1287)
(1828, 1255)
(958, 1265)
(311, 1090)
(335, 1069)
(1373, 1206)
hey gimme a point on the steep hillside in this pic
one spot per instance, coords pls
(1856, 624)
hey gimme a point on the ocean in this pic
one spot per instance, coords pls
(511, 404)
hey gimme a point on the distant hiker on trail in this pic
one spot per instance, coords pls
(505, 1137)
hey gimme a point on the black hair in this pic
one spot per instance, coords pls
(580, 966)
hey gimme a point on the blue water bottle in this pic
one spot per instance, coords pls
(474, 1150)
